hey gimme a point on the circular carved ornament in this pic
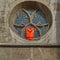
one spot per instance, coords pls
(32, 15)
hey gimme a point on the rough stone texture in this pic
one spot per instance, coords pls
(29, 53)
(57, 19)
(23, 53)
(6, 8)
(5, 53)
(11, 4)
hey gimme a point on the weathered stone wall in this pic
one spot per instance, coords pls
(23, 53)
(8, 6)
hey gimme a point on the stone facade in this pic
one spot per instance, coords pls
(7, 9)
(29, 53)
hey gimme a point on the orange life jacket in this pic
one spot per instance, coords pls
(30, 33)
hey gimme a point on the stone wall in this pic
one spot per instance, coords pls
(28, 53)
(8, 6)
